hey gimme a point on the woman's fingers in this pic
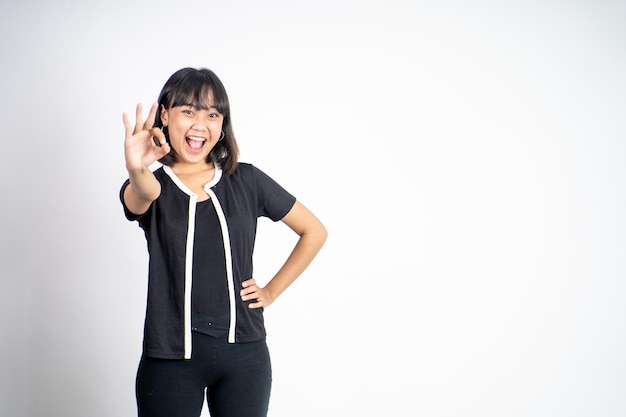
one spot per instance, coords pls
(249, 287)
(127, 127)
(251, 291)
(260, 297)
(150, 120)
(138, 119)
(144, 144)
(140, 124)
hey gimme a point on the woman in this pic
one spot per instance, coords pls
(204, 318)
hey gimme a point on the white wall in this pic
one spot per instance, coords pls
(467, 158)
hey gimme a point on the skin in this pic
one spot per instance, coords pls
(184, 124)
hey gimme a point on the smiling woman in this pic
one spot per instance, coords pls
(199, 95)
(204, 327)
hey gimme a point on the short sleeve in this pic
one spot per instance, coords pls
(273, 200)
(129, 215)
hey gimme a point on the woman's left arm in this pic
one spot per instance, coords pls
(312, 236)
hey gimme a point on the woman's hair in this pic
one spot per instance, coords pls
(190, 86)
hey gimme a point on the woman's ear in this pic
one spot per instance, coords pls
(164, 115)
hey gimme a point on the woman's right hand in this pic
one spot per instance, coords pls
(140, 149)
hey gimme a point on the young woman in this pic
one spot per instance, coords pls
(204, 319)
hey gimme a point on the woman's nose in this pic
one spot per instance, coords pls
(199, 123)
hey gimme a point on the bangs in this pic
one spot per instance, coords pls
(200, 98)
(198, 91)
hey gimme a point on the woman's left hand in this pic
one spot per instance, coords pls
(251, 291)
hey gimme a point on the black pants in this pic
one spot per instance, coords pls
(237, 378)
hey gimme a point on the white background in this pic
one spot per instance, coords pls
(466, 157)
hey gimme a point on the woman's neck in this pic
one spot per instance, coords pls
(183, 169)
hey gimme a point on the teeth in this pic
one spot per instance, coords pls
(195, 142)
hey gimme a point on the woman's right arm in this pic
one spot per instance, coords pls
(140, 152)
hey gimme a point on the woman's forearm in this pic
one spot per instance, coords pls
(144, 188)
(312, 238)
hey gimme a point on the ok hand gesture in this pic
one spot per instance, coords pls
(140, 149)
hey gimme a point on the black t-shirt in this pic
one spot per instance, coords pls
(169, 225)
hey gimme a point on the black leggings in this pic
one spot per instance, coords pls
(237, 378)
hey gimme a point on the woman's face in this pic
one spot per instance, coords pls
(192, 131)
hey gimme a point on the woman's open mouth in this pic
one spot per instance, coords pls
(195, 142)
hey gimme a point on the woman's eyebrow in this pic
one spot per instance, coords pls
(203, 107)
